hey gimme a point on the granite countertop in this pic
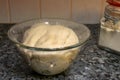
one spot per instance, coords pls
(92, 63)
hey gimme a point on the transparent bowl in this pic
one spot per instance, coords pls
(38, 60)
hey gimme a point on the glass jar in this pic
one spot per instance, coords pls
(109, 38)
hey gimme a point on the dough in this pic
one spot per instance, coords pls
(49, 36)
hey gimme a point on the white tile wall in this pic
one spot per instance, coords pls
(4, 11)
(56, 8)
(86, 11)
(82, 11)
(24, 9)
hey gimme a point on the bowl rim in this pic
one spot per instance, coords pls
(48, 49)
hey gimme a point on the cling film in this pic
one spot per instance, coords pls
(111, 21)
(112, 14)
(111, 26)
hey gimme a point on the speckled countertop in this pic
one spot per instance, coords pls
(92, 63)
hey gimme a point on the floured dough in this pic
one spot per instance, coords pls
(49, 36)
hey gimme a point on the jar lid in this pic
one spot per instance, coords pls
(114, 2)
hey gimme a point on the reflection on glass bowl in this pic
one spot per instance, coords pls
(45, 60)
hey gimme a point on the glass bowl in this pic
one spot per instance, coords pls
(49, 61)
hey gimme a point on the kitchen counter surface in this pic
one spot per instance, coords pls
(92, 63)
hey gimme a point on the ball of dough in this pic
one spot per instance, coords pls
(49, 36)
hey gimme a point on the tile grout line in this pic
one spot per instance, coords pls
(71, 9)
(9, 10)
(102, 8)
(40, 8)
